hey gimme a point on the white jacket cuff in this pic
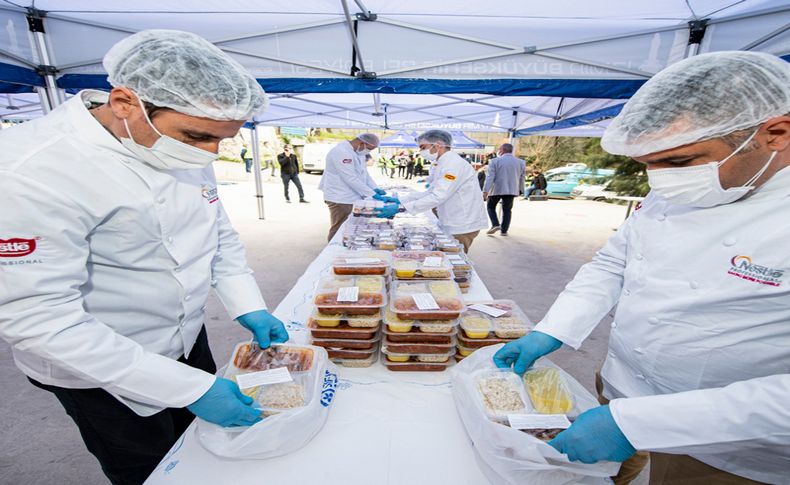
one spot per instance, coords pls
(239, 294)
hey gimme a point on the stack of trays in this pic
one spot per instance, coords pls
(421, 325)
(346, 320)
(490, 323)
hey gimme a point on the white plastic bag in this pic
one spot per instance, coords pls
(507, 455)
(281, 433)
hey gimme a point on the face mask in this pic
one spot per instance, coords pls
(699, 186)
(426, 154)
(167, 153)
(363, 153)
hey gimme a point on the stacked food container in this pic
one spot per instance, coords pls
(421, 323)
(490, 323)
(346, 320)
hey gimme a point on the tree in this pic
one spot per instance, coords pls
(630, 177)
(547, 152)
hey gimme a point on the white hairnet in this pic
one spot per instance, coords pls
(369, 138)
(436, 136)
(185, 72)
(700, 98)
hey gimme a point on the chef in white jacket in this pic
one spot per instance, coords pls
(454, 190)
(346, 178)
(698, 368)
(116, 236)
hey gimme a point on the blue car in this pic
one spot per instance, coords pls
(560, 182)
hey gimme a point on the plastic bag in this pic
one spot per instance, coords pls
(283, 430)
(510, 456)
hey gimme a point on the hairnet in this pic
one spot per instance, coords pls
(699, 98)
(185, 72)
(436, 136)
(369, 138)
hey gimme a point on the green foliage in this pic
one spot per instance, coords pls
(629, 178)
(225, 158)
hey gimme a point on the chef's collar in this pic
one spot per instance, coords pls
(776, 187)
(88, 127)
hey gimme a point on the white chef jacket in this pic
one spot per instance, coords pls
(699, 352)
(455, 193)
(123, 256)
(346, 178)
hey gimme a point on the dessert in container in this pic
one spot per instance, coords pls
(354, 321)
(343, 331)
(511, 324)
(425, 358)
(419, 265)
(397, 325)
(548, 391)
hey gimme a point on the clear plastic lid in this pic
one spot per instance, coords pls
(501, 392)
(352, 294)
(366, 207)
(548, 391)
(428, 300)
(437, 358)
(249, 357)
(502, 317)
(394, 324)
(459, 262)
(366, 362)
(371, 261)
(354, 321)
(421, 265)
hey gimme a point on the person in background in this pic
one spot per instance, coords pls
(538, 184)
(392, 165)
(403, 160)
(453, 191)
(267, 158)
(119, 217)
(346, 178)
(504, 181)
(410, 167)
(697, 373)
(482, 172)
(383, 164)
(246, 157)
(419, 164)
(289, 172)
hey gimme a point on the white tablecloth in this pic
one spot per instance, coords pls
(384, 427)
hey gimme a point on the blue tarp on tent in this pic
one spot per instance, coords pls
(400, 139)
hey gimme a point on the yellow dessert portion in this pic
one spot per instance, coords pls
(476, 327)
(396, 325)
(547, 391)
(405, 269)
(464, 352)
(398, 358)
(369, 284)
(327, 320)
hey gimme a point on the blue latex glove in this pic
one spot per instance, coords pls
(594, 437)
(387, 211)
(225, 405)
(265, 327)
(387, 199)
(522, 353)
(379, 192)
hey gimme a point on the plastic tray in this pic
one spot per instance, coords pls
(357, 362)
(415, 366)
(479, 325)
(548, 391)
(408, 265)
(416, 336)
(394, 325)
(342, 331)
(371, 297)
(479, 343)
(249, 357)
(366, 207)
(445, 292)
(353, 321)
(460, 263)
(347, 344)
(371, 262)
(286, 396)
(501, 392)
(419, 348)
(422, 358)
(351, 354)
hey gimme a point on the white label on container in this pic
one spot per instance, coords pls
(488, 310)
(416, 247)
(538, 421)
(363, 260)
(425, 301)
(348, 294)
(264, 377)
(457, 261)
(432, 262)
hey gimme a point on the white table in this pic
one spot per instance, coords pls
(384, 427)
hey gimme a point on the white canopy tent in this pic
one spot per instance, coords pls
(516, 67)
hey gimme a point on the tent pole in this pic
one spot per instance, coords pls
(35, 23)
(256, 170)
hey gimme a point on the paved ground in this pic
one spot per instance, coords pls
(548, 242)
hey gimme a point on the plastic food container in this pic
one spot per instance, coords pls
(366, 207)
(460, 263)
(416, 336)
(419, 348)
(338, 353)
(421, 265)
(425, 357)
(464, 351)
(431, 300)
(354, 321)
(416, 366)
(285, 396)
(449, 246)
(501, 392)
(347, 344)
(548, 391)
(357, 362)
(479, 343)
(362, 262)
(369, 297)
(250, 357)
(399, 325)
(343, 331)
(478, 324)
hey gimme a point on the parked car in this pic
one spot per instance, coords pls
(314, 156)
(593, 190)
(561, 181)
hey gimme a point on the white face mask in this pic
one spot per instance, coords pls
(699, 186)
(426, 154)
(363, 153)
(167, 153)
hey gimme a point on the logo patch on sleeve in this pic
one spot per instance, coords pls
(347, 160)
(210, 193)
(16, 247)
(449, 176)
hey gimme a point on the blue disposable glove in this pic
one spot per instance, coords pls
(522, 353)
(225, 405)
(594, 437)
(387, 211)
(265, 327)
(379, 192)
(387, 199)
